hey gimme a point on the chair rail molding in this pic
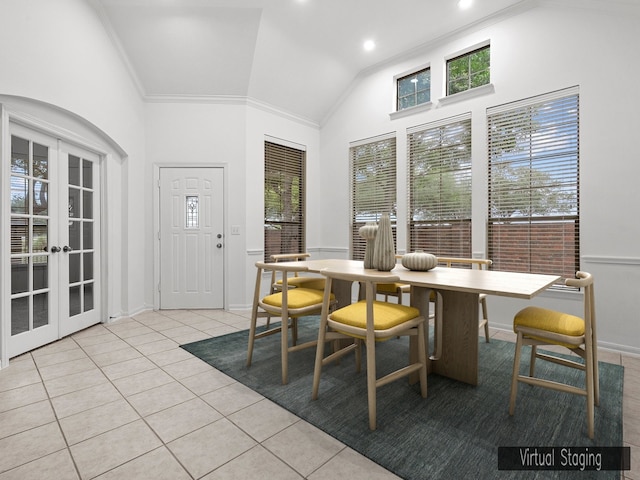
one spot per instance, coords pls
(611, 260)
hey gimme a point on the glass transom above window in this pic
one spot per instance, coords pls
(469, 70)
(414, 89)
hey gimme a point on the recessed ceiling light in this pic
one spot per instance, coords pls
(369, 45)
(464, 4)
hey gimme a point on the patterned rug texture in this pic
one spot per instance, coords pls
(454, 433)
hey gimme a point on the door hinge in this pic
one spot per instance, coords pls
(159, 288)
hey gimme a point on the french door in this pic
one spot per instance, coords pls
(54, 204)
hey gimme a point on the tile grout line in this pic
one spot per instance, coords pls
(49, 398)
(140, 417)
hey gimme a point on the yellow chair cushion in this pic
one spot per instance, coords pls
(385, 315)
(389, 287)
(550, 321)
(296, 298)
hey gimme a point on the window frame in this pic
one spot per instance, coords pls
(451, 236)
(412, 73)
(467, 53)
(549, 242)
(285, 160)
(384, 198)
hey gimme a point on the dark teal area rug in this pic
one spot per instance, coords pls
(454, 433)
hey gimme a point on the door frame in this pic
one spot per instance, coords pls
(8, 115)
(156, 223)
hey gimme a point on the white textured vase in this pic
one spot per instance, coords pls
(384, 255)
(419, 260)
(369, 232)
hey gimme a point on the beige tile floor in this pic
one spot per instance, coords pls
(123, 401)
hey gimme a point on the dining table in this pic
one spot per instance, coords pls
(459, 290)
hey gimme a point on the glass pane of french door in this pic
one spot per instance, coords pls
(81, 240)
(81, 232)
(32, 292)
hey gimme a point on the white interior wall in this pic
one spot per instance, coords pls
(206, 135)
(542, 49)
(59, 53)
(233, 135)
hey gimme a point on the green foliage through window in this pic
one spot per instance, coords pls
(373, 187)
(534, 186)
(468, 71)
(440, 189)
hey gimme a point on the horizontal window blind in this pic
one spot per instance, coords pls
(534, 185)
(284, 193)
(373, 186)
(439, 170)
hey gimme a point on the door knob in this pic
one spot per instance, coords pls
(55, 249)
(219, 245)
(67, 248)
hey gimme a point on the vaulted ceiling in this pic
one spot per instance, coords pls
(298, 56)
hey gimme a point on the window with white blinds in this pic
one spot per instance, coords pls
(439, 170)
(534, 185)
(373, 186)
(284, 193)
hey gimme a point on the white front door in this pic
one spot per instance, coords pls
(54, 206)
(191, 238)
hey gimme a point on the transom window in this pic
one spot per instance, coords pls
(414, 89)
(284, 194)
(468, 71)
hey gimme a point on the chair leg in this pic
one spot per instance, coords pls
(371, 381)
(252, 335)
(514, 375)
(317, 369)
(284, 347)
(590, 374)
(422, 357)
(254, 318)
(596, 373)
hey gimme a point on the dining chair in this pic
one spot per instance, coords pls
(295, 280)
(537, 326)
(369, 321)
(479, 263)
(289, 304)
(394, 289)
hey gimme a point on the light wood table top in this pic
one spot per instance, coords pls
(490, 282)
